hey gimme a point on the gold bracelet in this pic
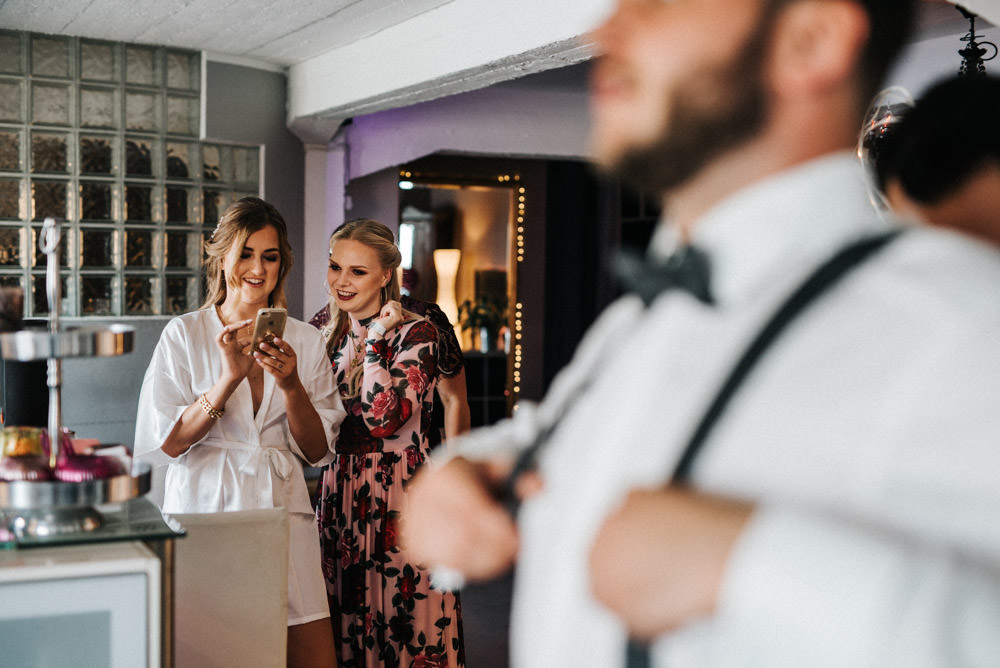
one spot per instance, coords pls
(213, 412)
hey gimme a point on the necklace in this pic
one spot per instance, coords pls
(353, 375)
(218, 312)
(359, 345)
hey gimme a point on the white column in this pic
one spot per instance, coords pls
(324, 211)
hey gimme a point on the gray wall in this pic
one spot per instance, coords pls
(100, 394)
(246, 105)
(375, 196)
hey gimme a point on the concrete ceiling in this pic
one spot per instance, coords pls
(940, 17)
(278, 33)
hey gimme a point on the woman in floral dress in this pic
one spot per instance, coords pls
(384, 612)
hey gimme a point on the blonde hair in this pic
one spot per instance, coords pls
(380, 239)
(239, 221)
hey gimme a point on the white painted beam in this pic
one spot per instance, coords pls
(456, 47)
(500, 121)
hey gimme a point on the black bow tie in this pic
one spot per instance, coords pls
(686, 269)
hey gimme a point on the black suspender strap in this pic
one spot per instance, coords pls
(821, 280)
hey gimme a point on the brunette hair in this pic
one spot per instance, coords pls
(239, 221)
(379, 238)
(948, 136)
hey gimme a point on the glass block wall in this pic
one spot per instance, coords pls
(103, 136)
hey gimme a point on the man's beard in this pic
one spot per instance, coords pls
(711, 112)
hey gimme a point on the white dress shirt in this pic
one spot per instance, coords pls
(867, 437)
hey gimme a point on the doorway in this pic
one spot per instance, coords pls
(458, 240)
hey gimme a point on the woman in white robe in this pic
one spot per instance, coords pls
(234, 428)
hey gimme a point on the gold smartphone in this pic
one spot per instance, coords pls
(269, 323)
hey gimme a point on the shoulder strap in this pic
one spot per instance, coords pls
(819, 282)
(637, 654)
(821, 279)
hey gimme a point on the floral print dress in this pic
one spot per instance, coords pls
(383, 611)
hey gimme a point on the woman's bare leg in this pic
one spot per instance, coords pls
(310, 645)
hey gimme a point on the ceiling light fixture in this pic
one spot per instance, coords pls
(973, 61)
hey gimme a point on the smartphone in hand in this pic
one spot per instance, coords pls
(269, 323)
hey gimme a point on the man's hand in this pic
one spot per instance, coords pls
(454, 519)
(658, 561)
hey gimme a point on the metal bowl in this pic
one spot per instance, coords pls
(34, 495)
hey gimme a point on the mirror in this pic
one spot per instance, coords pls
(460, 243)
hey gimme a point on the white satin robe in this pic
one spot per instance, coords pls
(245, 461)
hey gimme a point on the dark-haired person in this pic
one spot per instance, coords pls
(842, 510)
(233, 428)
(940, 164)
(451, 389)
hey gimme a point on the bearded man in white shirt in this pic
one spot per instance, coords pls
(843, 510)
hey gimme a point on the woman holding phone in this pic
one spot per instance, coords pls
(386, 363)
(232, 423)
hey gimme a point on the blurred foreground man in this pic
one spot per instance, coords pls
(843, 511)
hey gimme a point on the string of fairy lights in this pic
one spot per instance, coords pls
(517, 347)
(520, 208)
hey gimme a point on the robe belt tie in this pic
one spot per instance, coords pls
(277, 458)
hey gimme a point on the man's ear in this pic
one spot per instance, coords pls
(817, 45)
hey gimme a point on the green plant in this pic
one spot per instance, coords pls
(485, 311)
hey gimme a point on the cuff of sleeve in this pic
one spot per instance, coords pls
(157, 457)
(324, 460)
(505, 438)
